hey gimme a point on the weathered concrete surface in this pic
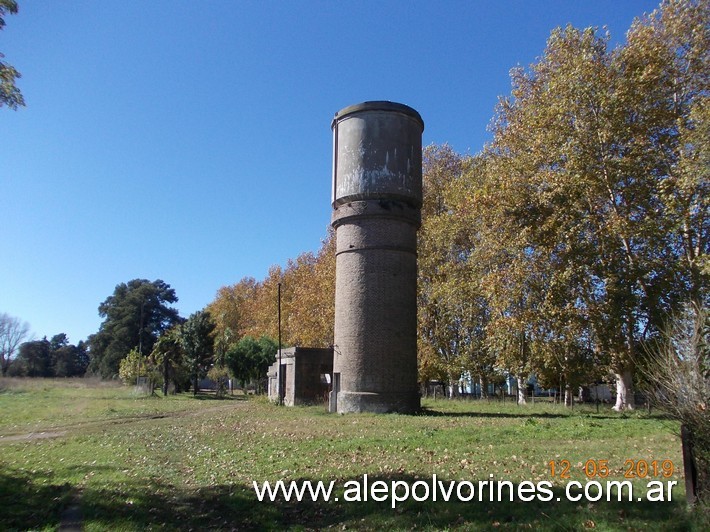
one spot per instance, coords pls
(377, 196)
(304, 368)
(377, 153)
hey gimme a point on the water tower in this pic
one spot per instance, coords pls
(377, 199)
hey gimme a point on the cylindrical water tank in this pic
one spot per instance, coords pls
(377, 153)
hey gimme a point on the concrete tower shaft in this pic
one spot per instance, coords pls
(377, 197)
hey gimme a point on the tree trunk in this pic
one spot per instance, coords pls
(691, 472)
(522, 391)
(624, 395)
(483, 382)
(453, 387)
(165, 376)
(569, 396)
(194, 377)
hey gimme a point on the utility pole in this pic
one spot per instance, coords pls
(281, 376)
(140, 343)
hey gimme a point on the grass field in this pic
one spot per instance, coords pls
(131, 462)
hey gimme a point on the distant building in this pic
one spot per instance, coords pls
(306, 374)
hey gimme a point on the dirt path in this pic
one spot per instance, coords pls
(29, 436)
(62, 430)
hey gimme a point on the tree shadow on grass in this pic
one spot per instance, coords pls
(426, 411)
(211, 396)
(31, 501)
(553, 512)
(34, 502)
(439, 413)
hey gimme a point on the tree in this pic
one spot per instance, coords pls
(249, 359)
(36, 358)
(198, 345)
(595, 172)
(678, 379)
(546, 207)
(262, 307)
(10, 95)
(169, 356)
(249, 308)
(440, 326)
(68, 360)
(453, 311)
(230, 309)
(51, 358)
(12, 334)
(666, 66)
(130, 367)
(308, 294)
(134, 316)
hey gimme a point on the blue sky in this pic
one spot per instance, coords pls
(190, 141)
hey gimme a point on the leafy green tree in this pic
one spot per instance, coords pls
(219, 375)
(36, 358)
(134, 317)
(198, 345)
(10, 95)
(169, 356)
(68, 360)
(51, 358)
(135, 365)
(249, 359)
(130, 367)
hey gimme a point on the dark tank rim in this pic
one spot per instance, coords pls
(381, 105)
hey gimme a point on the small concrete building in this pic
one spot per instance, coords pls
(306, 374)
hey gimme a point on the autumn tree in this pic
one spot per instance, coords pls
(10, 95)
(583, 162)
(230, 309)
(249, 308)
(262, 308)
(438, 337)
(664, 95)
(453, 312)
(309, 305)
